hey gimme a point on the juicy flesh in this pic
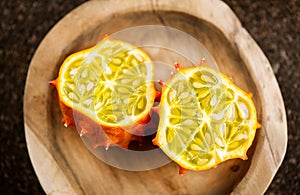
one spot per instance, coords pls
(204, 119)
(107, 92)
(109, 85)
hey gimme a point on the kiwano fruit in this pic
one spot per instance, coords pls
(204, 119)
(107, 92)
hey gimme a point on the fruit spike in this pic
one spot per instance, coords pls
(258, 125)
(105, 136)
(244, 157)
(177, 66)
(105, 36)
(99, 135)
(155, 142)
(250, 95)
(93, 131)
(83, 132)
(53, 83)
(181, 170)
(106, 145)
(67, 112)
(161, 83)
(203, 62)
(172, 74)
(66, 123)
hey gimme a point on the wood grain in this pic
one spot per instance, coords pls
(63, 163)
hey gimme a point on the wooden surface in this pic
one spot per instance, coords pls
(63, 163)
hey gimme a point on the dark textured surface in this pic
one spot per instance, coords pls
(275, 25)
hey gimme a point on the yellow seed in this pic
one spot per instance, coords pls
(174, 121)
(198, 141)
(209, 79)
(71, 95)
(195, 147)
(187, 100)
(123, 90)
(229, 94)
(126, 100)
(84, 73)
(197, 84)
(143, 69)
(87, 102)
(141, 103)
(175, 111)
(202, 161)
(117, 61)
(111, 118)
(171, 96)
(134, 62)
(188, 122)
(184, 95)
(90, 86)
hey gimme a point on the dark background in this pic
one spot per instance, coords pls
(275, 26)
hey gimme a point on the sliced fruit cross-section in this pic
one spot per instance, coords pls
(204, 119)
(111, 85)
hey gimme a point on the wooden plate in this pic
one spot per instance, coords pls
(63, 163)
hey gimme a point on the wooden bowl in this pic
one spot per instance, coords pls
(63, 163)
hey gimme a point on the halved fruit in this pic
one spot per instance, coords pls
(107, 88)
(204, 119)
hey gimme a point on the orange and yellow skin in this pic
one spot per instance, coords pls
(100, 135)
